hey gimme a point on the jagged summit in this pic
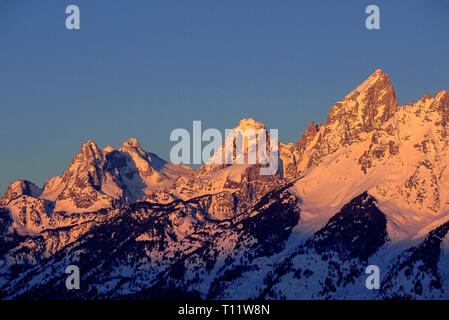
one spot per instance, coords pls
(378, 79)
(308, 135)
(131, 143)
(108, 149)
(97, 179)
(442, 95)
(368, 106)
(20, 188)
(229, 147)
(365, 109)
(250, 123)
(90, 145)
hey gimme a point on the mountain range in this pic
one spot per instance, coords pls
(370, 186)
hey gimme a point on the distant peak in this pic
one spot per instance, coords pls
(19, 188)
(442, 94)
(365, 108)
(22, 184)
(108, 149)
(249, 123)
(89, 152)
(379, 72)
(131, 142)
(378, 79)
(311, 130)
(90, 145)
(132, 145)
(313, 126)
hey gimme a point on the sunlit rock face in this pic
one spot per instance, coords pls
(364, 110)
(18, 189)
(366, 187)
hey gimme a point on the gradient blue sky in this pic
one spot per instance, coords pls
(143, 68)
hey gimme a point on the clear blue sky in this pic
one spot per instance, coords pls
(143, 68)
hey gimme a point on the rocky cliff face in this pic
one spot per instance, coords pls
(18, 189)
(364, 110)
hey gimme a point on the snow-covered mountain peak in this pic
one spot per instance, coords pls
(90, 149)
(131, 143)
(97, 179)
(250, 123)
(368, 106)
(108, 149)
(233, 171)
(398, 154)
(19, 188)
(369, 186)
(308, 135)
(366, 109)
(378, 79)
(442, 95)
